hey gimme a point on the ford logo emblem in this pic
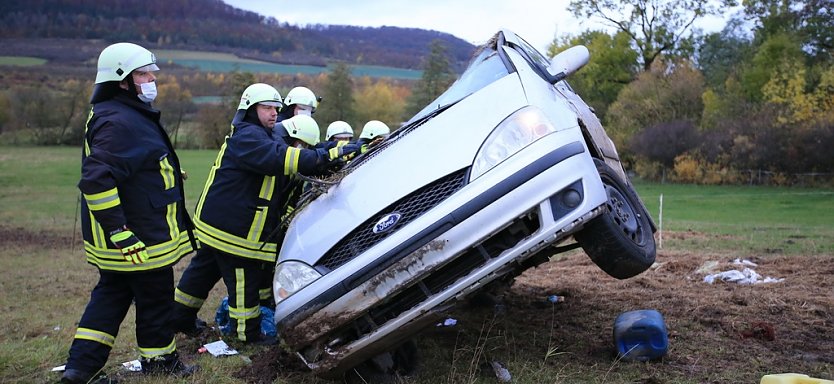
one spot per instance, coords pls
(387, 222)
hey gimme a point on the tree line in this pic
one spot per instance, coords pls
(214, 25)
(45, 107)
(708, 108)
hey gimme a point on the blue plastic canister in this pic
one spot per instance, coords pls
(640, 335)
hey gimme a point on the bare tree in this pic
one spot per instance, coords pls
(655, 27)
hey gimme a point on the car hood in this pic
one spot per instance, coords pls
(440, 146)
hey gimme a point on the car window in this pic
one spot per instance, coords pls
(484, 69)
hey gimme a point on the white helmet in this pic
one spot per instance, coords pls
(302, 96)
(259, 93)
(304, 128)
(339, 127)
(374, 128)
(118, 60)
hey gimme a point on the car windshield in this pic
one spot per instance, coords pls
(484, 69)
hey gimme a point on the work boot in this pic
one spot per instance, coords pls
(169, 364)
(74, 376)
(189, 327)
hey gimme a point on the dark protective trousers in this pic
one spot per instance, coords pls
(243, 279)
(153, 293)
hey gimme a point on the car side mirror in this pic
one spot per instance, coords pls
(567, 62)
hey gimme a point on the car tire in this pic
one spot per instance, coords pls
(621, 240)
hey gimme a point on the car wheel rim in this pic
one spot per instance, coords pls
(622, 213)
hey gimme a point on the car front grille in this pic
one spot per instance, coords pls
(409, 207)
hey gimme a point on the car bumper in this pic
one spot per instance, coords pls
(421, 273)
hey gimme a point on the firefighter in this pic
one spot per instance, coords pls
(339, 131)
(240, 207)
(299, 101)
(373, 132)
(134, 222)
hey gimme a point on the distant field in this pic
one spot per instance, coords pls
(21, 61)
(225, 62)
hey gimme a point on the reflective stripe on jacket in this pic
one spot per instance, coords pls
(130, 175)
(247, 189)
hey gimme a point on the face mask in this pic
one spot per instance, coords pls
(148, 91)
(303, 110)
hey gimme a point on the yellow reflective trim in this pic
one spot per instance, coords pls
(171, 218)
(257, 226)
(167, 172)
(188, 300)
(97, 336)
(232, 244)
(291, 161)
(103, 200)
(217, 161)
(267, 188)
(87, 126)
(160, 255)
(98, 232)
(334, 152)
(265, 294)
(156, 352)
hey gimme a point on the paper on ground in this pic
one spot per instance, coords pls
(133, 366)
(219, 348)
(745, 277)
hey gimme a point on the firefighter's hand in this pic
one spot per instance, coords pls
(347, 151)
(132, 248)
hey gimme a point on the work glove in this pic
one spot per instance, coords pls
(132, 248)
(347, 151)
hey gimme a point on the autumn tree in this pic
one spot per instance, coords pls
(669, 92)
(337, 97)
(174, 102)
(436, 78)
(655, 27)
(380, 100)
(611, 67)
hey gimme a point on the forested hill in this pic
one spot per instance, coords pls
(214, 25)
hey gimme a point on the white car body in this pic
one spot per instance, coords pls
(425, 259)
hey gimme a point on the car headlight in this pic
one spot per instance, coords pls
(290, 277)
(514, 133)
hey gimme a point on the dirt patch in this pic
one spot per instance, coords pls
(721, 332)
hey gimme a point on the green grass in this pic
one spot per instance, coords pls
(225, 62)
(45, 282)
(752, 220)
(21, 61)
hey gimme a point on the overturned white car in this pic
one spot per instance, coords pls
(498, 174)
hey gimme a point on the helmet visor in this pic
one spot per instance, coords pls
(147, 68)
(270, 103)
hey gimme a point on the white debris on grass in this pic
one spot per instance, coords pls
(133, 366)
(744, 262)
(219, 348)
(744, 277)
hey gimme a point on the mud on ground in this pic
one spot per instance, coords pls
(718, 333)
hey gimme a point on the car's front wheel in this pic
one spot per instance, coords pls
(621, 240)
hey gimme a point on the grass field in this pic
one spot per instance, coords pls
(21, 61)
(225, 62)
(45, 282)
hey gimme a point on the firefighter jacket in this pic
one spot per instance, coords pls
(130, 175)
(248, 187)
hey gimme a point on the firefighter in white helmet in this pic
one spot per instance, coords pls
(130, 173)
(339, 131)
(299, 101)
(373, 132)
(246, 195)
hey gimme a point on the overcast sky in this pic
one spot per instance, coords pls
(537, 21)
